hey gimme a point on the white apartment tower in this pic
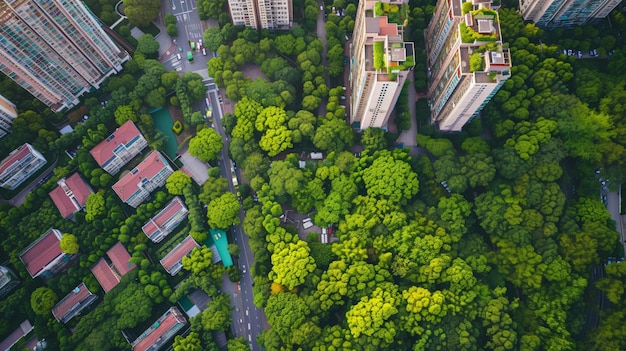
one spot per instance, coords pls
(380, 61)
(263, 14)
(55, 49)
(467, 62)
(565, 13)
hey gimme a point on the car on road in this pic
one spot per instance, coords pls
(180, 49)
(244, 272)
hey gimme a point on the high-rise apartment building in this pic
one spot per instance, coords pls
(467, 62)
(55, 49)
(263, 14)
(380, 61)
(8, 112)
(565, 13)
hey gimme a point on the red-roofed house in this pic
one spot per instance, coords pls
(109, 274)
(173, 261)
(161, 331)
(136, 186)
(44, 256)
(71, 195)
(73, 303)
(23, 330)
(19, 165)
(118, 148)
(159, 226)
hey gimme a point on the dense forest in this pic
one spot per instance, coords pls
(483, 240)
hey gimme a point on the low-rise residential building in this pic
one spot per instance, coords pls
(119, 148)
(109, 273)
(8, 112)
(44, 256)
(173, 261)
(161, 331)
(73, 303)
(136, 186)
(17, 335)
(8, 280)
(21, 163)
(159, 226)
(71, 195)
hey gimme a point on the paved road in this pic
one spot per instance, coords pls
(248, 321)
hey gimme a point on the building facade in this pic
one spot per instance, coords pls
(161, 331)
(467, 63)
(159, 226)
(263, 14)
(73, 303)
(119, 148)
(8, 112)
(56, 49)
(136, 186)
(21, 163)
(381, 62)
(565, 13)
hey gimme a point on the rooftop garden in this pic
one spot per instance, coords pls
(476, 62)
(395, 14)
(379, 55)
(469, 35)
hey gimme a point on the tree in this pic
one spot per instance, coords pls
(170, 19)
(125, 113)
(147, 45)
(374, 139)
(172, 30)
(42, 300)
(391, 179)
(206, 145)
(189, 343)
(95, 206)
(334, 135)
(198, 261)
(69, 244)
(177, 182)
(238, 344)
(132, 305)
(223, 211)
(213, 38)
(141, 12)
(291, 264)
(234, 249)
(212, 189)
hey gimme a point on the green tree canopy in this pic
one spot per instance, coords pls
(177, 182)
(69, 244)
(141, 12)
(42, 300)
(223, 211)
(206, 145)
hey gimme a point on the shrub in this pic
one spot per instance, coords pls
(467, 7)
(476, 62)
(177, 128)
(379, 55)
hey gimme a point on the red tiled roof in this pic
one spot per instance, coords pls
(79, 188)
(387, 28)
(148, 168)
(105, 276)
(16, 156)
(122, 135)
(70, 300)
(42, 252)
(120, 257)
(164, 326)
(172, 208)
(177, 254)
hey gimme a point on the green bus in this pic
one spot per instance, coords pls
(189, 56)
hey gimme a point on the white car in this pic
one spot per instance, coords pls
(244, 269)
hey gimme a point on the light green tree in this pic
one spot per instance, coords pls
(69, 244)
(291, 264)
(42, 300)
(206, 145)
(223, 211)
(177, 182)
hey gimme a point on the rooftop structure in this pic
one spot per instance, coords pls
(8, 112)
(110, 274)
(119, 148)
(159, 226)
(21, 163)
(467, 62)
(565, 13)
(71, 195)
(136, 186)
(56, 49)
(23, 330)
(380, 63)
(173, 261)
(161, 331)
(73, 303)
(44, 256)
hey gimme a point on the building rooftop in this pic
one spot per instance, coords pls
(73, 303)
(14, 157)
(8, 107)
(105, 275)
(24, 328)
(121, 136)
(172, 261)
(170, 211)
(42, 252)
(71, 195)
(120, 258)
(146, 170)
(161, 331)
